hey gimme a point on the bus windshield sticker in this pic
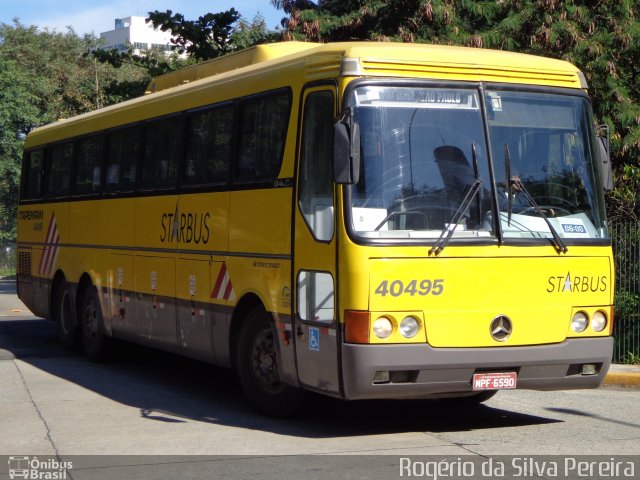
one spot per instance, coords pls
(574, 228)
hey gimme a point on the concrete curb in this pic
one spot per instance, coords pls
(623, 379)
(623, 375)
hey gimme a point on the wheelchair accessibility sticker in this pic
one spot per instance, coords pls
(314, 339)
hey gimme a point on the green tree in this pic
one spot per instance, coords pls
(41, 80)
(18, 115)
(207, 37)
(249, 33)
(45, 76)
(211, 36)
(132, 72)
(63, 82)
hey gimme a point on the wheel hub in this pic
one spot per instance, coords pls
(265, 367)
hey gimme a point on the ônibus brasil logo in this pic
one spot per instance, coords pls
(36, 469)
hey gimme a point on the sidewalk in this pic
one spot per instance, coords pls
(624, 375)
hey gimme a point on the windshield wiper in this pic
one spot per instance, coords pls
(471, 191)
(507, 183)
(515, 184)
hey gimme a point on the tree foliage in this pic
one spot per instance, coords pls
(41, 80)
(207, 37)
(61, 80)
(18, 114)
(212, 35)
(601, 37)
(134, 71)
(249, 33)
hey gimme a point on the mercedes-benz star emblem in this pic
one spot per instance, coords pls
(501, 328)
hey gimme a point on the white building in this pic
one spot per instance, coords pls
(135, 32)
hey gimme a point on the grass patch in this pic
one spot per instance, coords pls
(5, 272)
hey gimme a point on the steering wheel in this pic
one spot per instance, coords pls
(568, 193)
(420, 204)
(548, 210)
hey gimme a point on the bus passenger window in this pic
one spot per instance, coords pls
(161, 153)
(263, 131)
(59, 182)
(88, 168)
(32, 187)
(208, 146)
(123, 151)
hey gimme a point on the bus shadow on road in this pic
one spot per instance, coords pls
(173, 389)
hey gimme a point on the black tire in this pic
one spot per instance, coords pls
(92, 326)
(257, 369)
(64, 314)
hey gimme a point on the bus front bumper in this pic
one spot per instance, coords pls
(420, 371)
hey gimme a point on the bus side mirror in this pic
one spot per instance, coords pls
(346, 153)
(606, 172)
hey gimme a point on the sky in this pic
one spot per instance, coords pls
(95, 16)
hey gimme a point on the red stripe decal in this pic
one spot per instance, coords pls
(216, 289)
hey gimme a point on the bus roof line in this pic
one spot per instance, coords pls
(210, 68)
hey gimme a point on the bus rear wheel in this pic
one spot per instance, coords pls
(64, 315)
(92, 326)
(257, 368)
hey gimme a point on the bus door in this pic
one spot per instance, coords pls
(315, 323)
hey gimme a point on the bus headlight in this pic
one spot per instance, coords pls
(409, 327)
(579, 322)
(382, 327)
(599, 321)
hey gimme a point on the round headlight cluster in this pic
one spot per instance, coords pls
(383, 327)
(409, 327)
(599, 321)
(580, 321)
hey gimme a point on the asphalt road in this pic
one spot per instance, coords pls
(145, 402)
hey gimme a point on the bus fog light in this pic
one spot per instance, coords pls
(599, 321)
(381, 376)
(382, 327)
(589, 369)
(409, 327)
(579, 322)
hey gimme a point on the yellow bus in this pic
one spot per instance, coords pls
(362, 220)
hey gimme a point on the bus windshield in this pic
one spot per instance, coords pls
(423, 148)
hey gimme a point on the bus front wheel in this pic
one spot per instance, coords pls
(257, 368)
(92, 326)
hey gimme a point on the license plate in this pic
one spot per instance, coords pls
(495, 381)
